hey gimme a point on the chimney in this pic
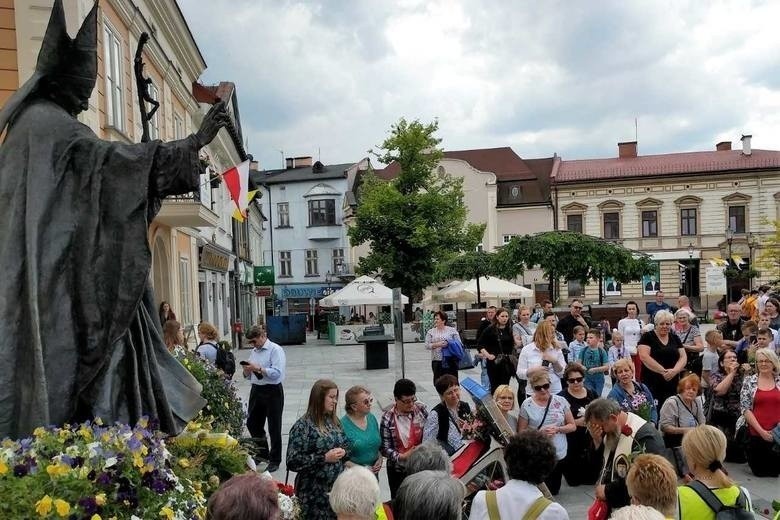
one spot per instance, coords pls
(290, 162)
(723, 146)
(746, 150)
(298, 162)
(626, 150)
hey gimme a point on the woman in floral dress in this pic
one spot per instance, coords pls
(631, 395)
(316, 451)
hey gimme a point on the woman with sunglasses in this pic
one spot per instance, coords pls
(551, 415)
(362, 429)
(579, 466)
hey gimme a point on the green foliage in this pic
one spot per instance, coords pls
(223, 408)
(415, 221)
(467, 266)
(571, 256)
(732, 273)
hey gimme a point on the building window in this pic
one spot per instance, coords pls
(112, 49)
(154, 124)
(178, 127)
(322, 212)
(650, 223)
(575, 288)
(338, 261)
(283, 210)
(737, 219)
(285, 263)
(612, 225)
(185, 282)
(479, 248)
(508, 238)
(688, 221)
(312, 269)
(574, 222)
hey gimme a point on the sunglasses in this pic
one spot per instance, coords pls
(573, 380)
(576, 307)
(368, 401)
(539, 388)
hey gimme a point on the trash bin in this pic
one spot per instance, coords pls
(375, 342)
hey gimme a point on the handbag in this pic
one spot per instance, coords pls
(599, 510)
(467, 361)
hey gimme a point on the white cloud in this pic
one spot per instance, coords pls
(541, 77)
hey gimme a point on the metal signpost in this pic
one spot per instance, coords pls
(398, 326)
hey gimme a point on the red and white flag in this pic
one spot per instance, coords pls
(237, 183)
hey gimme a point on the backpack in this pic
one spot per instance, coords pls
(739, 511)
(537, 507)
(225, 361)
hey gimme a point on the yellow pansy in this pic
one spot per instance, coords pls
(62, 507)
(43, 506)
(3, 468)
(184, 463)
(98, 421)
(167, 513)
(57, 470)
(95, 517)
(39, 432)
(85, 433)
(100, 499)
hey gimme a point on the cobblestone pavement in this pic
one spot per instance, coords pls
(345, 365)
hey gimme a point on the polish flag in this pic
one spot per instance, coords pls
(237, 183)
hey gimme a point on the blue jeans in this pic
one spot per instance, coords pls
(595, 382)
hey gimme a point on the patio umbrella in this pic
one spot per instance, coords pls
(485, 287)
(361, 291)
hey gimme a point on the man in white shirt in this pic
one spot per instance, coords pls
(266, 370)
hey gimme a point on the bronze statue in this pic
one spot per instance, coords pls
(79, 332)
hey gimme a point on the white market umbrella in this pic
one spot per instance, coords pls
(361, 291)
(489, 288)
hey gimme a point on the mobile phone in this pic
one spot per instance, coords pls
(752, 339)
(243, 363)
(545, 363)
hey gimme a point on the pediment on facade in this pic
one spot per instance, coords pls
(321, 190)
(611, 204)
(650, 202)
(574, 207)
(689, 200)
(737, 197)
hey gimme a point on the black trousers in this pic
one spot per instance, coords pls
(762, 459)
(266, 402)
(395, 476)
(439, 370)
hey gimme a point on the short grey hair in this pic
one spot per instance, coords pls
(428, 455)
(356, 493)
(427, 495)
(637, 512)
(663, 315)
(683, 312)
(600, 409)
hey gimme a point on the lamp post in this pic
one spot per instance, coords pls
(729, 240)
(752, 242)
(328, 280)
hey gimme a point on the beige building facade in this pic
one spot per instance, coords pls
(675, 208)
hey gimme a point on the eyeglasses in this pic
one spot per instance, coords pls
(368, 401)
(408, 400)
(573, 380)
(577, 307)
(539, 388)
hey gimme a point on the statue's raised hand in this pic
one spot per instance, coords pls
(216, 118)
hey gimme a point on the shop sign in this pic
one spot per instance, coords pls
(264, 275)
(302, 291)
(264, 292)
(214, 260)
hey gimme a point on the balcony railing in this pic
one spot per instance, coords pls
(344, 269)
(186, 210)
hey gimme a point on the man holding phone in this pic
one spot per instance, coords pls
(266, 370)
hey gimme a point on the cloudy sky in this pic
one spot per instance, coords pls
(330, 77)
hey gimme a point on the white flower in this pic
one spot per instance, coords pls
(286, 506)
(581, 411)
(110, 462)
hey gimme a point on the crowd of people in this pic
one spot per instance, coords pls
(680, 405)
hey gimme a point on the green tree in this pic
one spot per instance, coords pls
(571, 256)
(415, 221)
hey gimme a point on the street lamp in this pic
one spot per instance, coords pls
(729, 240)
(690, 251)
(752, 242)
(328, 279)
